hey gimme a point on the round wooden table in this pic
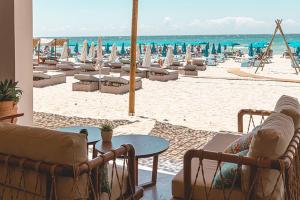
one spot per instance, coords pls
(145, 146)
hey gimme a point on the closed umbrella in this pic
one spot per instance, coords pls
(219, 48)
(88, 49)
(213, 50)
(147, 57)
(184, 48)
(138, 53)
(192, 48)
(251, 52)
(123, 49)
(206, 50)
(298, 51)
(107, 48)
(92, 51)
(83, 56)
(164, 51)
(140, 47)
(113, 54)
(76, 49)
(175, 50)
(153, 49)
(64, 53)
(188, 54)
(169, 58)
(99, 51)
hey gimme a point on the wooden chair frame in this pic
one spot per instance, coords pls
(283, 163)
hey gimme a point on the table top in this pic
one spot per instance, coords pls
(93, 132)
(145, 145)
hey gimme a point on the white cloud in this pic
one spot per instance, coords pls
(167, 20)
(235, 21)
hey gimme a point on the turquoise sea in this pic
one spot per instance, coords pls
(243, 40)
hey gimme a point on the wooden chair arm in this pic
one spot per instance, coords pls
(11, 117)
(286, 160)
(244, 112)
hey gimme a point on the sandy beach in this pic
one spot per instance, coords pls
(210, 101)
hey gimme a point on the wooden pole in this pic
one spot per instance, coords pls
(296, 66)
(133, 57)
(54, 49)
(39, 48)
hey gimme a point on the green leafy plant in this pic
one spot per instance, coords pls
(9, 91)
(106, 128)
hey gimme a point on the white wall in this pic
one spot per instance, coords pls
(23, 56)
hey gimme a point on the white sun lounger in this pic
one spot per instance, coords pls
(115, 67)
(109, 84)
(118, 85)
(161, 74)
(188, 70)
(140, 72)
(42, 79)
(68, 68)
(91, 69)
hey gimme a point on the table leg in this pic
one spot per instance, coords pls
(154, 174)
(154, 169)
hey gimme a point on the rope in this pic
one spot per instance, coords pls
(53, 193)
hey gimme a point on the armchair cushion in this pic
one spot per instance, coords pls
(271, 142)
(289, 106)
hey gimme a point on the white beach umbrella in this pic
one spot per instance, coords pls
(92, 51)
(83, 56)
(170, 57)
(113, 54)
(99, 50)
(138, 53)
(64, 53)
(188, 54)
(147, 57)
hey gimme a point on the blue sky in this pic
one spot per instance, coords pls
(163, 17)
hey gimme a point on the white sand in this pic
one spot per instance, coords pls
(209, 103)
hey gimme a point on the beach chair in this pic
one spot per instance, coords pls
(210, 173)
(87, 82)
(140, 72)
(44, 164)
(115, 67)
(118, 85)
(161, 74)
(188, 70)
(68, 68)
(44, 79)
(175, 65)
(93, 69)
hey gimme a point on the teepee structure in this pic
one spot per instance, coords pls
(265, 55)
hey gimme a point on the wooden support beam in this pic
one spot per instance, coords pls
(133, 57)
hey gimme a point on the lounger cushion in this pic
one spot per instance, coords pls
(159, 70)
(55, 74)
(65, 66)
(176, 63)
(114, 79)
(242, 143)
(217, 144)
(86, 77)
(190, 67)
(126, 68)
(47, 146)
(155, 65)
(116, 64)
(271, 141)
(290, 106)
(40, 74)
(89, 67)
(198, 61)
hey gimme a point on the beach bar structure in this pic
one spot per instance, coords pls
(48, 42)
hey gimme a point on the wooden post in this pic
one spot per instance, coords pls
(133, 57)
(54, 49)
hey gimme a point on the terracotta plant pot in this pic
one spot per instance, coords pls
(106, 136)
(8, 108)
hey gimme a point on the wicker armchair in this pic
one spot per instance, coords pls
(198, 164)
(21, 177)
(10, 118)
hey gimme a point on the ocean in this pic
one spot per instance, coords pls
(243, 40)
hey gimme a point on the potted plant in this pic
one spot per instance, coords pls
(106, 132)
(9, 97)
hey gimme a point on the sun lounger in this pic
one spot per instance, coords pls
(118, 85)
(198, 61)
(140, 72)
(41, 79)
(211, 62)
(68, 68)
(125, 60)
(161, 74)
(188, 70)
(40, 68)
(87, 83)
(88, 68)
(115, 67)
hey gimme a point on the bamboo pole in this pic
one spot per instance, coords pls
(133, 57)
(289, 49)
